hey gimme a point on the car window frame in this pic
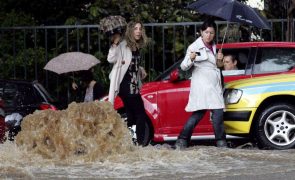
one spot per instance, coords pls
(44, 93)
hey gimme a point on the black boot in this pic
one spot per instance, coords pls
(180, 144)
(221, 144)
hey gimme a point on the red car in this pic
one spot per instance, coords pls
(166, 97)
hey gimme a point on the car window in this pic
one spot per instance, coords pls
(274, 60)
(43, 92)
(184, 75)
(242, 56)
(165, 75)
(26, 95)
(9, 94)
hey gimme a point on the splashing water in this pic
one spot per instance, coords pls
(89, 131)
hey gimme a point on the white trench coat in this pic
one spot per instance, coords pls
(206, 88)
(115, 56)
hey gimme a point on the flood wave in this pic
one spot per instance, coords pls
(86, 131)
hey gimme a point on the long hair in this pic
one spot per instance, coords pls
(131, 42)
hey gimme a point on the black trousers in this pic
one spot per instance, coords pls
(194, 119)
(135, 115)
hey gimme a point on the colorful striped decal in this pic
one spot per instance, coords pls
(267, 88)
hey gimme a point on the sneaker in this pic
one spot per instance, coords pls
(221, 144)
(134, 141)
(180, 144)
(132, 131)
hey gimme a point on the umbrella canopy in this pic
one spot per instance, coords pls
(70, 62)
(113, 24)
(232, 11)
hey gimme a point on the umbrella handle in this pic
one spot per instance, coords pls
(224, 36)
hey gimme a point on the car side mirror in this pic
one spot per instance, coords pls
(174, 76)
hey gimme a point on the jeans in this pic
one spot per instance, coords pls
(194, 119)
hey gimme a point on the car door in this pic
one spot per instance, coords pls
(172, 100)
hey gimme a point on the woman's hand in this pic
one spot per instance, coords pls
(219, 59)
(193, 56)
(74, 86)
(116, 39)
(220, 54)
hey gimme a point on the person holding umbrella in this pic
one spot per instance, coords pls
(126, 75)
(231, 11)
(93, 89)
(206, 86)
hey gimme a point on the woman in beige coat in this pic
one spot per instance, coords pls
(126, 75)
(206, 86)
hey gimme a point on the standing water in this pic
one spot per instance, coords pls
(89, 140)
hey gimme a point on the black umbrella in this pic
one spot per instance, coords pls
(231, 11)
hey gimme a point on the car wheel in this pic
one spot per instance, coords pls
(275, 128)
(147, 134)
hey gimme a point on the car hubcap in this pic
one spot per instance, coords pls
(279, 128)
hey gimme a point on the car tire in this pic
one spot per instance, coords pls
(275, 127)
(147, 134)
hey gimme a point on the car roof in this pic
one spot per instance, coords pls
(257, 44)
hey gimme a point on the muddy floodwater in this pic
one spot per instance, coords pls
(90, 141)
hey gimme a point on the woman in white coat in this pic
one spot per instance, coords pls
(126, 75)
(206, 86)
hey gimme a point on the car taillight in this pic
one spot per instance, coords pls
(47, 106)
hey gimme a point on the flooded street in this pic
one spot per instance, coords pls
(157, 162)
(53, 152)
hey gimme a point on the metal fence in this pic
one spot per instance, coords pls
(24, 51)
